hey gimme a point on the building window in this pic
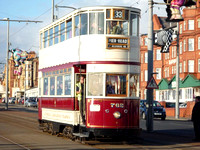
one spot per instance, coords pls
(146, 58)
(166, 56)
(181, 28)
(191, 44)
(190, 65)
(158, 70)
(198, 65)
(198, 42)
(146, 75)
(69, 29)
(198, 22)
(188, 93)
(184, 66)
(96, 22)
(180, 67)
(166, 72)
(190, 24)
(84, 24)
(158, 55)
(62, 31)
(184, 45)
(56, 34)
(173, 52)
(184, 25)
(181, 49)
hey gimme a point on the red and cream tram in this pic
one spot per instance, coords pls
(102, 45)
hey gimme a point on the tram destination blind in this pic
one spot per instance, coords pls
(117, 43)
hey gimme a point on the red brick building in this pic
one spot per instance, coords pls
(165, 63)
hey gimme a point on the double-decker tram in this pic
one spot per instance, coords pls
(89, 73)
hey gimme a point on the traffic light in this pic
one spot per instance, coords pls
(164, 38)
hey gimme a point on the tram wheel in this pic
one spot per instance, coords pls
(68, 132)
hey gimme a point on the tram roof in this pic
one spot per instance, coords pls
(65, 17)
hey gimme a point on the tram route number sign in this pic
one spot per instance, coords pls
(117, 43)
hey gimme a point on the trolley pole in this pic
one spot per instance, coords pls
(149, 122)
(53, 11)
(177, 74)
(8, 47)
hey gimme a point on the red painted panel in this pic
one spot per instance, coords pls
(66, 103)
(104, 118)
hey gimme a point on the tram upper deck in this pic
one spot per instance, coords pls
(101, 33)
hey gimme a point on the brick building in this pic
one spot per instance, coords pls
(17, 80)
(165, 63)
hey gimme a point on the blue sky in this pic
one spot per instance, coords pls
(26, 35)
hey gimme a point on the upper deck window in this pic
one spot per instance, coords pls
(134, 25)
(96, 23)
(69, 29)
(45, 38)
(117, 27)
(77, 26)
(56, 29)
(62, 31)
(51, 37)
(84, 24)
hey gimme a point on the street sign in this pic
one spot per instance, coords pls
(152, 84)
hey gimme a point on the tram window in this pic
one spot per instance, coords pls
(84, 24)
(77, 25)
(52, 86)
(68, 84)
(95, 84)
(56, 34)
(96, 23)
(69, 29)
(45, 88)
(45, 38)
(51, 37)
(62, 31)
(117, 27)
(116, 85)
(134, 85)
(108, 14)
(59, 85)
(126, 14)
(41, 40)
(134, 25)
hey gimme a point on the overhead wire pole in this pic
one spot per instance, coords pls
(149, 122)
(8, 47)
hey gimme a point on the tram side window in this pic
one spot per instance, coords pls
(116, 85)
(69, 29)
(68, 84)
(134, 25)
(96, 23)
(45, 38)
(117, 27)
(52, 86)
(84, 24)
(45, 88)
(95, 84)
(62, 31)
(51, 37)
(77, 25)
(134, 85)
(59, 85)
(56, 29)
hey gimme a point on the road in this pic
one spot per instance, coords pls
(19, 130)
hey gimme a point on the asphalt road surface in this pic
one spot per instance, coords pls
(19, 130)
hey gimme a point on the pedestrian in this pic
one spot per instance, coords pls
(196, 118)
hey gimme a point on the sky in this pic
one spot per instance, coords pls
(25, 36)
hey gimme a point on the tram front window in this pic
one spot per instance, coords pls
(95, 84)
(116, 85)
(117, 27)
(96, 23)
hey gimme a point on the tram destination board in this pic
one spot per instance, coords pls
(117, 43)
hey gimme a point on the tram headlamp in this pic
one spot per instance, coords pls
(117, 114)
